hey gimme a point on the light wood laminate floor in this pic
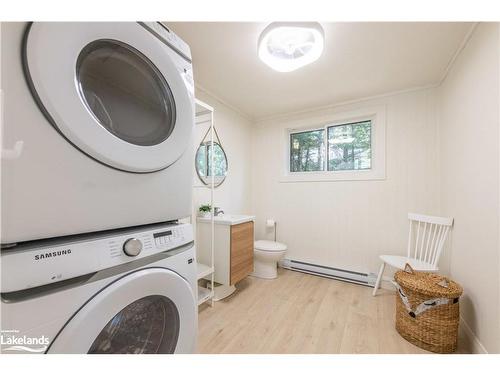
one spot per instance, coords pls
(301, 313)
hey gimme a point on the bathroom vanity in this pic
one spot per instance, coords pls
(233, 249)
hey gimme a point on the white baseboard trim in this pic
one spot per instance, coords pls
(470, 340)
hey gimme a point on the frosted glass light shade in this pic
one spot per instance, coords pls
(288, 46)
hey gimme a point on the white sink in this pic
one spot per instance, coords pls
(228, 219)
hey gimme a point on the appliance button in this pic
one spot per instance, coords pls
(132, 247)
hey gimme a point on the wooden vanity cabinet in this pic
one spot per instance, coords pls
(241, 251)
(233, 250)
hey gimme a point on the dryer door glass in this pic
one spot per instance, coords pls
(115, 91)
(125, 92)
(149, 325)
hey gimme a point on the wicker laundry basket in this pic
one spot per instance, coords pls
(427, 310)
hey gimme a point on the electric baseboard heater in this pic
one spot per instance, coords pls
(366, 279)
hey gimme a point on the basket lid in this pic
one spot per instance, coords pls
(427, 283)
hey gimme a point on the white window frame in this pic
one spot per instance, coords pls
(377, 116)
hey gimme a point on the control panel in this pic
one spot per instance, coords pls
(132, 247)
(49, 261)
(166, 238)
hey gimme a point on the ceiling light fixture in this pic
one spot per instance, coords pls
(286, 46)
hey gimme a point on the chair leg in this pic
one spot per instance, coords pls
(379, 278)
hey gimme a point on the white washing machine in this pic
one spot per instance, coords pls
(122, 291)
(97, 125)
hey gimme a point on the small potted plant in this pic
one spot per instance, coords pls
(205, 210)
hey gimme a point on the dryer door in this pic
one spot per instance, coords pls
(114, 90)
(152, 310)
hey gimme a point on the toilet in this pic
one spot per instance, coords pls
(266, 257)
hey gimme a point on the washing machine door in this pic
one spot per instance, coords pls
(148, 311)
(114, 90)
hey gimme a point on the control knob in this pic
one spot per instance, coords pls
(132, 247)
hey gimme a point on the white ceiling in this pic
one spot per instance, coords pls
(359, 60)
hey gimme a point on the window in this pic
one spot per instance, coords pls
(348, 148)
(307, 151)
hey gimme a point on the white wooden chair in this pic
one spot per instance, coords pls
(426, 239)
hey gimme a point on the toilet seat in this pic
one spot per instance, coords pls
(264, 245)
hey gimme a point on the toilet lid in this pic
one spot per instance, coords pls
(269, 245)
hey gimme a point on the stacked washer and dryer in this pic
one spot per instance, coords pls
(94, 258)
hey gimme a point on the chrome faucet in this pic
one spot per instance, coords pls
(218, 211)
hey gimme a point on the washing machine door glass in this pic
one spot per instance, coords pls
(152, 310)
(149, 325)
(115, 91)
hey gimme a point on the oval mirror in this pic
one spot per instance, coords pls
(204, 167)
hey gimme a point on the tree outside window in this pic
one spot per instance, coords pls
(307, 151)
(348, 147)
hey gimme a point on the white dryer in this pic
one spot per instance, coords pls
(123, 291)
(101, 116)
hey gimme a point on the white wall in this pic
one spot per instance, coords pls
(347, 224)
(469, 156)
(235, 133)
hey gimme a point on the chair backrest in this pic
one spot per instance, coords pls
(427, 237)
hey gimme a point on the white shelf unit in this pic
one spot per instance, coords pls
(205, 115)
(204, 270)
(204, 295)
